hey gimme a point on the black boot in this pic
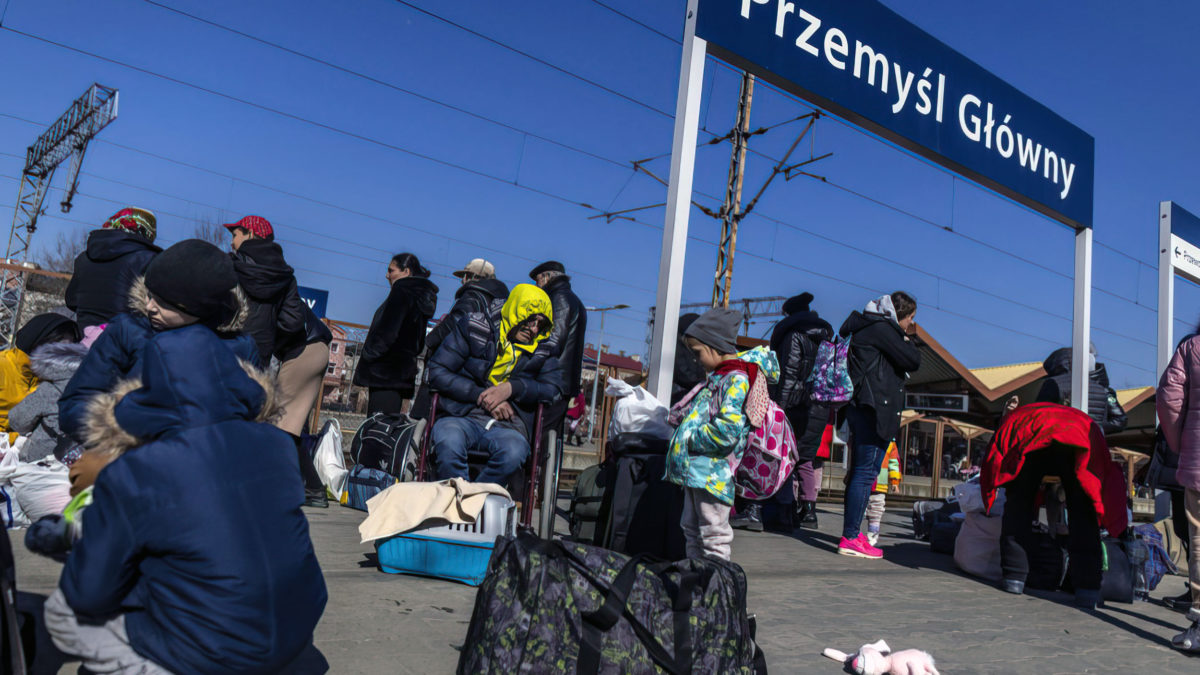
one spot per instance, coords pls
(807, 515)
(749, 519)
(314, 489)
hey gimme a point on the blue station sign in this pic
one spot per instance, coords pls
(865, 63)
(316, 299)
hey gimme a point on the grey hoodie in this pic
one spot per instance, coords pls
(36, 416)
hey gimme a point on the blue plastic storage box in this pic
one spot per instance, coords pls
(456, 552)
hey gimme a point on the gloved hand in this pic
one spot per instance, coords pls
(50, 536)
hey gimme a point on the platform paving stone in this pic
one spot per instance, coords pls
(805, 596)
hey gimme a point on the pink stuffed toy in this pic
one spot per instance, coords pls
(879, 659)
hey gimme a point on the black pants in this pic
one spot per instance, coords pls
(390, 401)
(308, 471)
(1083, 542)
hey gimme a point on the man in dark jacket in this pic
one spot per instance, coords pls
(1102, 400)
(491, 373)
(269, 282)
(566, 340)
(481, 293)
(795, 341)
(116, 255)
(185, 564)
(881, 356)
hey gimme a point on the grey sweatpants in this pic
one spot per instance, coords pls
(705, 523)
(103, 648)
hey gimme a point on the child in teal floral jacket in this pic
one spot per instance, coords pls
(707, 447)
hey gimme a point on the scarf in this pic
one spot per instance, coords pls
(757, 396)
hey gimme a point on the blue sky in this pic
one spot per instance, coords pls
(352, 169)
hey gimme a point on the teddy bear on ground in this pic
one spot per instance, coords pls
(879, 659)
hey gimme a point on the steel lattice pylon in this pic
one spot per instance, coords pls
(67, 137)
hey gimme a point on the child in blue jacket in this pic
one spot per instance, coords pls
(707, 447)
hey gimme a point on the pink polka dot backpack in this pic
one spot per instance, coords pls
(769, 457)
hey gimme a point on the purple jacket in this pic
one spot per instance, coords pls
(1178, 402)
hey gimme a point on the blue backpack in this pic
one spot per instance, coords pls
(829, 381)
(364, 483)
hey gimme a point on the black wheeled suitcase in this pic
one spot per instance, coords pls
(641, 511)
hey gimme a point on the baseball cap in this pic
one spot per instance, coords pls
(477, 268)
(256, 225)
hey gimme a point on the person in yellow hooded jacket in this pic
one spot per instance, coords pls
(490, 375)
(16, 373)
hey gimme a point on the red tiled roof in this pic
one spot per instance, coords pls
(612, 360)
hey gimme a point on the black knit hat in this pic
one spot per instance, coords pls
(548, 266)
(797, 303)
(194, 277)
(36, 330)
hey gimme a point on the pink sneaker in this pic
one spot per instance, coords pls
(859, 547)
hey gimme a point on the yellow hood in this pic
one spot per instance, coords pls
(524, 301)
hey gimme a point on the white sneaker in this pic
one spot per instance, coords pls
(872, 538)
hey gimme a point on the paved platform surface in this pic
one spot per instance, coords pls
(806, 598)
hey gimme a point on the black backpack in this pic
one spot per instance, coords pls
(387, 443)
(640, 511)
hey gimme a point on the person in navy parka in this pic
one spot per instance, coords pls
(193, 274)
(195, 556)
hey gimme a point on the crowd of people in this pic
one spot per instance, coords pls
(176, 385)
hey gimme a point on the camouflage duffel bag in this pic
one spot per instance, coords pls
(563, 607)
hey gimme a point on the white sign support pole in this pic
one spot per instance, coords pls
(1082, 325)
(679, 206)
(1166, 288)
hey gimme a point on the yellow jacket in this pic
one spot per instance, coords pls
(16, 381)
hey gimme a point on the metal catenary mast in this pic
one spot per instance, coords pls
(67, 137)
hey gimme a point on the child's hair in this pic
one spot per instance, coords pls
(64, 333)
(410, 262)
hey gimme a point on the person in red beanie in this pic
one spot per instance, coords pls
(1048, 439)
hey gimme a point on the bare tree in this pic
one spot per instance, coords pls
(60, 256)
(209, 229)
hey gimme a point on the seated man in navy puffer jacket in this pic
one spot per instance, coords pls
(195, 556)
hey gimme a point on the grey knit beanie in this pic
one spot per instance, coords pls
(717, 328)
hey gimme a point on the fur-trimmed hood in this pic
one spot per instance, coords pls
(57, 361)
(139, 301)
(189, 379)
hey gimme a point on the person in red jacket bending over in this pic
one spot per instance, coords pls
(1048, 439)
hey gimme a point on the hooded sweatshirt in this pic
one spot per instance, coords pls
(881, 357)
(36, 415)
(212, 567)
(270, 284)
(105, 272)
(525, 301)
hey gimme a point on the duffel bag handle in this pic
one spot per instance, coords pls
(606, 616)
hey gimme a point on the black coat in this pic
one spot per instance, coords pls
(795, 341)
(275, 305)
(289, 345)
(687, 372)
(397, 336)
(483, 296)
(459, 371)
(105, 272)
(881, 356)
(1102, 400)
(567, 337)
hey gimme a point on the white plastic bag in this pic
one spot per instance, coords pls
(42, 488)
(10, 510)
(329, 460)
(637, 412)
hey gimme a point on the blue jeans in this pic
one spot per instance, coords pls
(453, 437)
(867, 451)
